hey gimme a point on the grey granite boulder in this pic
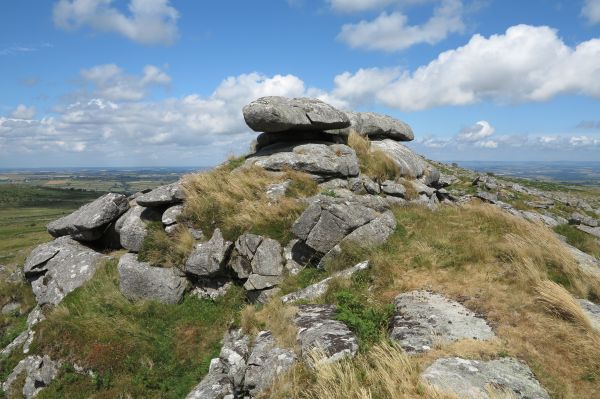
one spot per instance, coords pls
(279, 114)
(139, 280)
(211, 288)
(132, 229)
(58, 267)
(39, 373)
(586, 262)
(486, 196)
(327, 221)
(319, 333)
(265, 363)
(89, 222)
(592, 311)
(473, 379)
(168, 194)
(170, 216)
(377, 126)
(595, 231)
(215, 385)
(423, 319)
(258, 259)
(315, 290)
(393, 188)
(410, 164)
(335, 160)
(209, 258)
(578, 218)
(363, 184)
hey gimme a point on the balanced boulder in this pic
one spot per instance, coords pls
(279, 114)
(377, 126)
(164, 195)
(139, 280)
(58, 267)
(89, 222)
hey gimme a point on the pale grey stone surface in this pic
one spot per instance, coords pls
(393, 188)
(377, 126)
(209, 258)
(132, 227)
(164, 195)
(89, 222)
(424, 318)
(170, 216)
(139, 280)
(595, 231)
(58, 267)
(279, 114)
(592, 310)
(411, 165)
(39, 373)
(472, 379)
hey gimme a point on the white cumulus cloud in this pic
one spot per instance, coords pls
(148, 21)
(363, 5)
(23, 112)
(392, 32)
(591, 11)
(476, 132)
(526, 63)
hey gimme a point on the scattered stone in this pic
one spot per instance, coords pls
(265, 363)
(394, 189)
(171, 229)
(164, 195)
(472, 379)
(377, 126)
(279, 114)
(592, 311)
(363, 184)
(314, 291)
(422, 188)
(263, 296)
(595, 231)
(335, 184)
(58, 267)
(411, 165)
(537, 217)
(297, 255)
(211, 288)
(446, 180)
(335, 160)
(170, 216)
(277, 190)
(587, 263)
(139, 280)
(578, 218)
(89, 222)
(39, 373)
(487, 196)
(11, 308)
(319, 332)
(132, 226)
(209, 258)
(424, 318)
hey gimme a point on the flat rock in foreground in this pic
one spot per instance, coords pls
(279, 114)
(423, 319)
(139, 280)
(472, 379)
(89, 222)
(58, 267)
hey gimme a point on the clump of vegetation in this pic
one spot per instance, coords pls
(579, 239)
(374, 163)
(557, 300)
(163, 250)
(237, 202)
(136, 349)
(273, 316)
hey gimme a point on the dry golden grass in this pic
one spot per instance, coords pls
(274, 316)
(375, 164)
(236, 202)
(493, 263)
(163, 250)
(558, 301)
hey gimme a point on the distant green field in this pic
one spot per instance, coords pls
(26, 210)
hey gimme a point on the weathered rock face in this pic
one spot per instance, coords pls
(578, 218)
(298, 136)
(586, 262)
(424, 318)
(471, 379)
(58, 267)
(164, 195)
(595, 231)
(318, 331)
(393, 188)
(377, 126)
(297, 255)
(211, 288)
(592, 311)
(279, 114)
(170, 216)
(326, 222)
(89, 222)
(335, 160)
(266, 362)
(39, 373)
(132, 226)
(209, 258)
(258, 259)
(314, 291)
(410, 164)
(139, 280)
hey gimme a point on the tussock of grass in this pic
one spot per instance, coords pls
(558, 301)
(162, 250)
(375, 164)
(579, 239)
(384, 372)
(142, 349)
(273, 316)
(237, 202)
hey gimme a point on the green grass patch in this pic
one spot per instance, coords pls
(143, 349)
(580, 239)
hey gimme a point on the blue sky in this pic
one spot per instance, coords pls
(159, 82)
